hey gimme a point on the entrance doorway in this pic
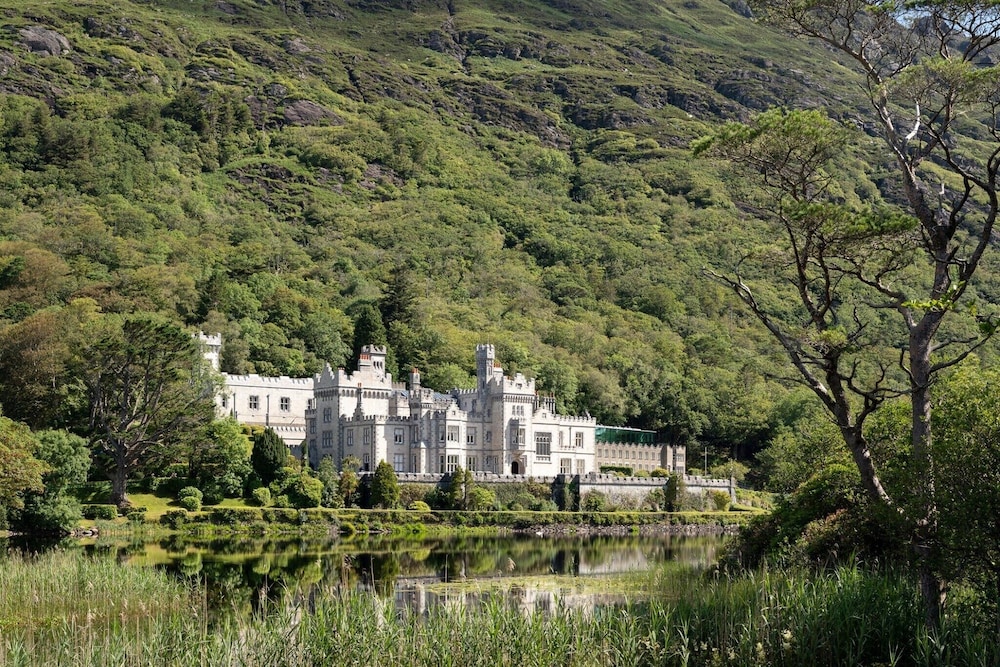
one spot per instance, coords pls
(515, 468)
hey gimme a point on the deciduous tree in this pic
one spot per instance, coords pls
(20, 471)
(852, 262)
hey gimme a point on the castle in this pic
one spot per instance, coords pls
(501, 427)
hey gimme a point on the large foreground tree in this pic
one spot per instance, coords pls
(148, 389)
(933, 101)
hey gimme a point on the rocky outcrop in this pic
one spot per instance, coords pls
(305, 112)
(44, 41)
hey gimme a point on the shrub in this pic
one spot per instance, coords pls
(190, 492)
(544, 506)
(660, 472)
(190, 503)
(213, 495)
(408, 493)
(594, 501)
(136, 516)
(720, 500)
(174, 518)
(102, 512)
(419, 506)
(261, 496)
(481, 499)
(235, 516)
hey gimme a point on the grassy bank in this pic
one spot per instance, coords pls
(66, 608)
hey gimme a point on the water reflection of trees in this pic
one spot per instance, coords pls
(250, 575)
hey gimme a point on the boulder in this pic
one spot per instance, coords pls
(44, 41)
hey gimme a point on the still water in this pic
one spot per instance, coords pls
(530, 571)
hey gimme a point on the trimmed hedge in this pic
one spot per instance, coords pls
(101, 512)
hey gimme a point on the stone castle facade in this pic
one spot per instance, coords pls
(502, 426)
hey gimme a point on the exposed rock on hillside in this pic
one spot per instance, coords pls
(44, 41)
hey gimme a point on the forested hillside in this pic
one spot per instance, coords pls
(304, 177)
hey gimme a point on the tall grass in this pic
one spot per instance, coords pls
(68, 609)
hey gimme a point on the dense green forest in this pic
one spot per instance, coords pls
(304, 177)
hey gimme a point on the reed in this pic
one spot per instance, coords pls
(65, 608)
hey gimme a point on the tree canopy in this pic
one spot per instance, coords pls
(148, 388)
(910, 248)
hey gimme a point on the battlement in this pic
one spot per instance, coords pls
(253, 379)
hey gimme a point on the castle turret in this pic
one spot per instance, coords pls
(375, 355)
(487, 367)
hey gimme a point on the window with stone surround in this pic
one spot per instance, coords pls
(543, 446)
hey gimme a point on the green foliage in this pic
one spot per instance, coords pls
(261, 496)
(729, 469)
(147, 388)
(594, 501)
(269, 455)
(20, 471)
(190, 503)
(347, 484)
(102, 512)
(327, 474)
(384, 492)
(56, 509)
(220, 464)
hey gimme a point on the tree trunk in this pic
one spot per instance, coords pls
(925, 521)
(119, 478)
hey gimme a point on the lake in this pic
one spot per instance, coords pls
(531, 571)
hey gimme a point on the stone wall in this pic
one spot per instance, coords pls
(612, 486)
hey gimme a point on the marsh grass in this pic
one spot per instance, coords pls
(66, 608)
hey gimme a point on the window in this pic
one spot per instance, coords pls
(472, 463)
(491, 464)
(312, 444)
(285, 404)
(253, 402)
(224, 401)
(441, 435)
(367, 435)
(350, 437)
(312, 425)
(397, 436)
(327, 415)
(414, 434)
(452, 434)
(565, 466)
(452, 463)
(489, 437)
(327, 439)
(399, 462)
(441, 461)
(366, 462)
(581, 466)
(578, 439)
(519, 437)
(413, 463)
(470, 437)
(543, 446)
